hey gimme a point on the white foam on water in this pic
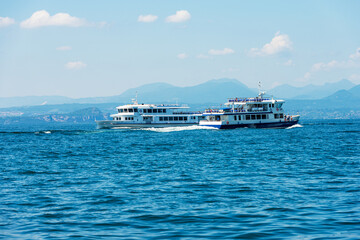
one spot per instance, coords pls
(177, 129)
(122, 128)
(47, 132)
(295, 126)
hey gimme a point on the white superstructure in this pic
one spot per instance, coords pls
(258, 112)
(151, 115)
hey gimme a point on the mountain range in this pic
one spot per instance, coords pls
(213, 91)
(310, 91)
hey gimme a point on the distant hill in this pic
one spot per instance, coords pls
(353, 94)
(310, 91)
(213, 91)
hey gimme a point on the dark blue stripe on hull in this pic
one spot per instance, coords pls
(256, 125)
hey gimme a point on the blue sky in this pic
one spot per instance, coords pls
(102, 48)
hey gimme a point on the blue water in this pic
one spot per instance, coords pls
(73, 181)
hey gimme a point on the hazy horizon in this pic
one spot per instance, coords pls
(94, 49)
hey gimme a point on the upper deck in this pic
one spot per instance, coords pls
(155, 106)
(249, 105)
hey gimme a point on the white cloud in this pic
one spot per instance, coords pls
(182, 55)
(42, 18)
(280, 43)
(75, 65)
(180, 16)
(351, 63)
(6, 21)
(63, 48)
(147, 18)
(221, 52)
(289, 63)
(307, 75)
(335, 64)
(356, 55)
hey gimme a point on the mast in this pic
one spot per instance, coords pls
(135, 100)
(261, 93)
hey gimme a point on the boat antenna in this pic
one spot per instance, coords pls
(261, 93)
(135, 100)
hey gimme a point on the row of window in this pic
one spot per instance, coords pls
(172, 118)
(121, 110)
(150, 110)
(270, 105)
(277, 116)
(258, 116)
(255, 117)
(126, 118)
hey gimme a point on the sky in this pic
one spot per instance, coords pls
(102, 48)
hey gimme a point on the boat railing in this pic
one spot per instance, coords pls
(190, 113)
(167, 105)
(213, 111)
(248, 99)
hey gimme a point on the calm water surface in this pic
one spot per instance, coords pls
(73, 181)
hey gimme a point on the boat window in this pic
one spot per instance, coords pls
(145, 110)
(125, 110)
(235, 118)
(181, 118)
(171, 118)
(159, 110)
(131, 110)
(176, 119)
(281, 115)
(135, 110)
(185, 118)
(161, 118)
(276, 115)
(263, 116)
(253, 117)
(247, 117)
(150, 111)
(258, 116)
(166, 119)
(164, 110)
(155, 111)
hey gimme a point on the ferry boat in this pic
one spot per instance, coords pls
(137, 115)
(258, 112)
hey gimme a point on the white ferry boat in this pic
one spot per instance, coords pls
(258, 112)
(137, 115)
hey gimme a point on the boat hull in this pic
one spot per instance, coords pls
(116, 124)
(253, 125)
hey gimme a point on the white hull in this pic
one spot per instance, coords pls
(108, 124)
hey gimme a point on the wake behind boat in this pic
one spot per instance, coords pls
(258, 112)
(137, 115)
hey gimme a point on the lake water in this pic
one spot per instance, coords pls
(73, 181)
